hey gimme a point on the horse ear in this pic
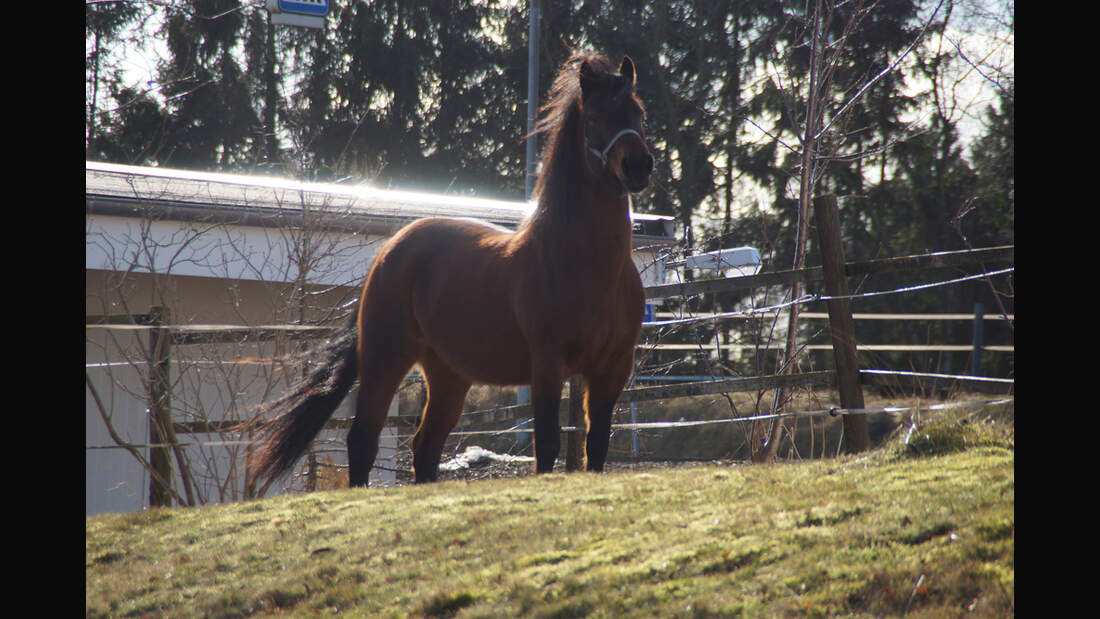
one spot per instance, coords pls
(626, 69)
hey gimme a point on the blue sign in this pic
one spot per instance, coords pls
(303, 13)
(304, 7)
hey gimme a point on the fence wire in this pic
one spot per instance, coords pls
(812, 298)
(648, 425)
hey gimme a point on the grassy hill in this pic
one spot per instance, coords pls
(926, 529)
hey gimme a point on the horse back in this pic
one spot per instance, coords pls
(445, 287)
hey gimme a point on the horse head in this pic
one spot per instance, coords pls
(613, 123)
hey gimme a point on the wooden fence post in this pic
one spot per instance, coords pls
(841, 326)
(976, 339)
(160, 412)
(574, 442)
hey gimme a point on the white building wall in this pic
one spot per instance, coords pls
(223, 382)
(113, 480)
(205, 274)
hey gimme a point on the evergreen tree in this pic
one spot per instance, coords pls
(212, 115)
(992, 219)
(106, 34)
(426, 100)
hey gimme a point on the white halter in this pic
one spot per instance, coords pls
(603, 154)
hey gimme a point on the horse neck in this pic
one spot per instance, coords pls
(583, 217)
(586, 225)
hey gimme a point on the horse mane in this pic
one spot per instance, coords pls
(563, 169)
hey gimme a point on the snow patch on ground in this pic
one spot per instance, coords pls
(475, 456)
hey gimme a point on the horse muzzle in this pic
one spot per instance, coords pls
(631, 163)
(636, 171)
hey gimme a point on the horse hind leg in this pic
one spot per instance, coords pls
(446, 395)
(378, 382)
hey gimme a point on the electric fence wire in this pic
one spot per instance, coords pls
(649, 425)
(812, 298)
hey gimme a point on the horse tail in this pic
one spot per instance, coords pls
(301, 413)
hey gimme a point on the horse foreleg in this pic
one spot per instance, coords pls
(599, 432)
(546, 385)
(599, 403)
(547, 433)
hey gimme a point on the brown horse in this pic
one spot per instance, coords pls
(471, 303)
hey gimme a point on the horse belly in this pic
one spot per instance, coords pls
(482, 347)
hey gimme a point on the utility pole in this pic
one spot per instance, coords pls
(532, 93)
(523, 395)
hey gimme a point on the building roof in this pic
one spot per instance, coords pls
(121, 190)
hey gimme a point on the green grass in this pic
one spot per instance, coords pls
(925, 531)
